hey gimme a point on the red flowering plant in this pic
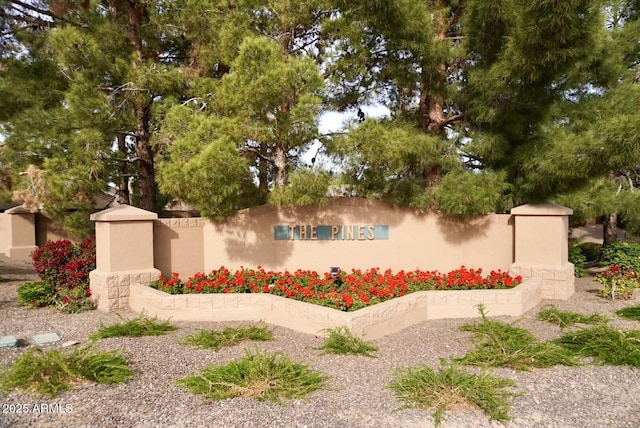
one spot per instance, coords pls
(619, 282)
(343, 291)
(64, 266)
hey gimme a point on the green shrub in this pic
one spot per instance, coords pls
(136, 327)
(625, 254)
(260, 376)
(578, 259)
(35, 294)
(452, 387)
(229, 336)
(47, 373)
(502, 345)
(552, 314)
(342, 342)
(591, 250)
(607, 344)
(630, 313)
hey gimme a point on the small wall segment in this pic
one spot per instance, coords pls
(541, 248)
(124, 255)
(371, 322)
(20, 233)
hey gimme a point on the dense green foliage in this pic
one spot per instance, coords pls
(489, 104)
(625, 254)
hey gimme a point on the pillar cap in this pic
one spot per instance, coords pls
(20, 210)
(541, 209)
(124, 213)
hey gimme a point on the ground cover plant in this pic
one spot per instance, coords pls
(342, 342)
(63, 267)
(631, 313)
(47, 373)
(607, 345)
(344, 291)
(135, 327)
(229, 336)
(552, 314)
(258, 375)
(497, 344)
(450, 388)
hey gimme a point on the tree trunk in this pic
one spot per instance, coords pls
(122, 193)
(142, 113)
(609, 228)
(144, 153)
(280, 164)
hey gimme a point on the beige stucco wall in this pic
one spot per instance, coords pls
(48, 230)
(4, 234)
(178, 246)
(416, 239)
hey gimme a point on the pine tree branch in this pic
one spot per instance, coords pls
(31, 8)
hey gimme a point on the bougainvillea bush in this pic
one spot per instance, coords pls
(344, 291)
(63, 267)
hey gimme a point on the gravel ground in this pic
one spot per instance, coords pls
(582, 397)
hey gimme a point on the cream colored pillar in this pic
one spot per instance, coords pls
(542, 249)
(124, 255)
(20, 233)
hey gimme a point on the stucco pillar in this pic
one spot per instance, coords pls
(20, 233)
(542, 248)
(124, 255)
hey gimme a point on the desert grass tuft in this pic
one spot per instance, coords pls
(342, 342)
(229, 336)
(552, 314)
(260, 376)
(135, 327)
(606, 344)
(630, 313)
(47, 373)
(502, 345)
(451, 388)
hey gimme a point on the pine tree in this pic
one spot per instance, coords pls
(475, 78)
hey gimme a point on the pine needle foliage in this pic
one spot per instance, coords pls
(502, 345)
(342, 341)
(450, 388)
(135, 327)
(229, 336)
(606, 344)
(630, 313)
(258, 375)
(552, 314)
(47, 373)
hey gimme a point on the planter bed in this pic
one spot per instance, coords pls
(371, 322)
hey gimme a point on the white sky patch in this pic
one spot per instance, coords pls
(334, 121)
